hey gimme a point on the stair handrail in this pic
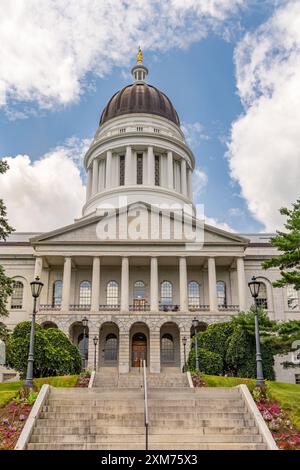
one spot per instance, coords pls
(146, 414)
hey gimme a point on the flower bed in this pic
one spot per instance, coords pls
(12, 419)
(284, 432)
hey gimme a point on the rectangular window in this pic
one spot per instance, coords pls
(156, 171)
(139, 168)
(122, 170)
(297, 379)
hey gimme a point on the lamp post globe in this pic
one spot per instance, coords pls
(254, 287)
(36, 289)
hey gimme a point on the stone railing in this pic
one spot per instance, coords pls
(230, 308)
(112, 308)
(49, 307)
(199, 308)
(139, 308)
(169, 308)
(79, 307)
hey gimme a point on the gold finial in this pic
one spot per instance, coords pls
(139, 56)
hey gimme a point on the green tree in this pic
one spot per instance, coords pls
(288, 243)
(54, 353)
(5, 229)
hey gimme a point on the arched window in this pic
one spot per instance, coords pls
(221, 293)
(85, 293)
(57, 294)
(292, 297)
(17, 295)
(166, 293)
(139, 290)
(262, 300)
(167, 348)
(194, 293)
(111, 348)
(112, 293)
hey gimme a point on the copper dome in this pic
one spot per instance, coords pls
(139, 98)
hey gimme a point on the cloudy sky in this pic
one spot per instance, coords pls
(230, 67)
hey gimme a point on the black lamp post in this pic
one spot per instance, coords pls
(184, 341)
(36, 288)
(254, 287)
(84, 324)
(195, 324)
(95, 341)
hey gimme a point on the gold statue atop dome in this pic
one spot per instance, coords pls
(139, 56)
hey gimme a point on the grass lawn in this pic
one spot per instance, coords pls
(287, 395)
(8, 390)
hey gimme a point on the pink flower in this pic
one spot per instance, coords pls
(21, 417)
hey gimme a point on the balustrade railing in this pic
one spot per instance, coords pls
(198, 308)
(49, 307)
(139, 308)
(169, 308)
(80, 307)
(232, 308)
(108, 307)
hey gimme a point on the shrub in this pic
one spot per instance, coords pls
(54, 353)
(209, 362)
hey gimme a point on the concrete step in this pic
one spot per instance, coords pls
(139, 446)
(132, 430)
(140, 438)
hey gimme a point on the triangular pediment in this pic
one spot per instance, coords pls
(109, 227)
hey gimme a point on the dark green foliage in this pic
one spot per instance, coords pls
(209, 362)
(289, 244)
(54, 354)
(233, 346)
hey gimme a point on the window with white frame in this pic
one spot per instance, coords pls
(166, 293)
(194, 293)
(85, 292)
(112, 293)
(17, 295)
(221, 293)
(262, 300)
(57, 293)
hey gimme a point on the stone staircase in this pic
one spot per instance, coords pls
(111, 416)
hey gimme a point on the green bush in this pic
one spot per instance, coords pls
(209, 362)
(54, 353)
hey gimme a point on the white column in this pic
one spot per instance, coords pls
(66, 284)
(183, 284)
(38, 267)
(154, 285)
(108, 173)
(125, 284)
(241, 283)
(150, 166)
(95, 284)
(183, 177)
(212, 285)
(170, 171)
(128, 166)
(190, 184)
(89, 183)
(95, 177)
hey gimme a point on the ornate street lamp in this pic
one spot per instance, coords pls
(184, 341)
(95, 341)
(36, 288)
(84, 322)
(254, 287)
(195, 324)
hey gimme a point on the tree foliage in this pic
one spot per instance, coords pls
(54, 353)
(288, 243)
(5, 229)
(210, 362)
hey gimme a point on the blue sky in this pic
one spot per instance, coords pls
(201, 80)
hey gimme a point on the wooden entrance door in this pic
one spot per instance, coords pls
(139, 349)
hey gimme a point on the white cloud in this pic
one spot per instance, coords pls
(215, 223)
(47, 48)
(199, 182)
(235, 212)
(194, 133)
(47, 193)
(264, 151)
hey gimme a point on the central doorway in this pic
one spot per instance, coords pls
(139, 349)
